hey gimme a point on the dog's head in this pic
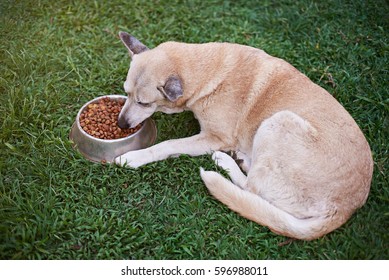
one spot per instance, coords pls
(152, 83)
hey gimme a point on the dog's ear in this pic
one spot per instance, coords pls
(172, 89)
(133, 45)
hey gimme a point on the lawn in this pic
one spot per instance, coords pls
(57, 55)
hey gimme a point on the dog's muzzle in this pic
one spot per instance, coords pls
(122, 122)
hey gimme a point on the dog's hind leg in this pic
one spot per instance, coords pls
(277, 190)
(229, 164)
(245, 161)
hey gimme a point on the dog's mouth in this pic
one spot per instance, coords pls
(122, 123)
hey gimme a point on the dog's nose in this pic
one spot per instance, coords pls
(123, 124)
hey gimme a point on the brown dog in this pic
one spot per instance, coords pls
(308, 165)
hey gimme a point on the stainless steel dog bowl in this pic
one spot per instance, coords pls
(98, 150)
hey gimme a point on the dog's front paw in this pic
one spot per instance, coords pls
(133, 159)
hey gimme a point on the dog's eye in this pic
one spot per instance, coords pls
(143, 104)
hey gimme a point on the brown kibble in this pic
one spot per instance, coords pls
(100, 120)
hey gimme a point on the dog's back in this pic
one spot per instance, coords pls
(309, 166)
(328, 174)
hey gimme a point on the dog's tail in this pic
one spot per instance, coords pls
(255, 208)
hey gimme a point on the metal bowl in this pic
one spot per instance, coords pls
(101, 150)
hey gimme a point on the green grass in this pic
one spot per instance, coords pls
(55, 56)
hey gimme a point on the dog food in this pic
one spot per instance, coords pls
(101, 120)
